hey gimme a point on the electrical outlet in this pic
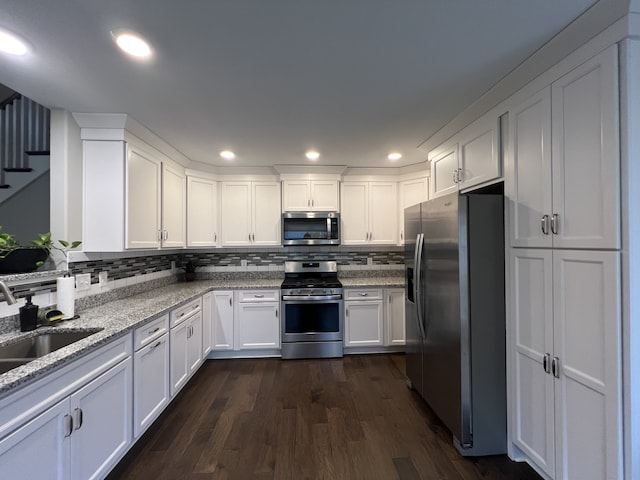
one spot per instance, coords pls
(103, 278)
(83, 281)
(173, 265)
(369, 261)
(243, 262)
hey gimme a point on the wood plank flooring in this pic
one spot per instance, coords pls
(264, 419)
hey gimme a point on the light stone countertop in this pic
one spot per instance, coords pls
(116, 318)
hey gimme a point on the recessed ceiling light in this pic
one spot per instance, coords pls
(11, 44)
(131, 44)
(394, 156)
(227, 154)
(312, 155)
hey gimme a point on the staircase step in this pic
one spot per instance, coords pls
(37, 152)
(19, 170)
(4, 185)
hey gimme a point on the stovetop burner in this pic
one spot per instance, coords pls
(311, 274)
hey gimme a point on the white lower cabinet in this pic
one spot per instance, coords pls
(207, 323)
(151, 392)
(566, 390)
(186, 344)
(394, 334)
(258, 319)
(222, 328)
(363, 318)
(81, 436)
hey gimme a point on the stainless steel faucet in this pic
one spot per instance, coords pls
(10, 299)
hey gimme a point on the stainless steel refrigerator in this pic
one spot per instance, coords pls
(455, 316)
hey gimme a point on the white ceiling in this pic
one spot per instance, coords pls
(269, 79)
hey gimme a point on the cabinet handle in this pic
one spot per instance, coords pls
(158, 343)
(308, 202)
(230, 302)
(151, 332)
(455, 176)
(159, 236)
(555, 367)
(460, 175)
(544, 224)
(258, 295)
(215, 237)
(554, 223)
(346, 312)
(68, 425)
(312, 202)
(276, 313)
(363, 294)
(401, 236)
(77, 414)
(545, 362)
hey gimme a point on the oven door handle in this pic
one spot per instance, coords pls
(310, 298)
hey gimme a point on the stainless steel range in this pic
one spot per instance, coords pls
(312, 313)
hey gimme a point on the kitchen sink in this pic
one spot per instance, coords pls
(23, 351)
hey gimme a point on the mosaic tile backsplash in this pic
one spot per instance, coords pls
(152, 270)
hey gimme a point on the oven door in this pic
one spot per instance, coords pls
(317, 320)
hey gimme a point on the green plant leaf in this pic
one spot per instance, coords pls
(64, 243)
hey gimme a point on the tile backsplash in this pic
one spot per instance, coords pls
(151, 270)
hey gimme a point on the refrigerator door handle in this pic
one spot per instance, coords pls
(418, 284)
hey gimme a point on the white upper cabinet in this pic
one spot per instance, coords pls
(250, 213)
(564, 188)
(202, 212)
(444, 171)
(310, 195)
(369, 212)
(411, 192)
(471, 158)
(131, 198)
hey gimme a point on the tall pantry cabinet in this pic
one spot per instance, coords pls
(563, 198)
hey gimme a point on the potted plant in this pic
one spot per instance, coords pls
(189, 269)
(17, 258)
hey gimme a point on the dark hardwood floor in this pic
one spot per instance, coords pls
(351, 418)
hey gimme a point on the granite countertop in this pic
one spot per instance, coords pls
(116, 318)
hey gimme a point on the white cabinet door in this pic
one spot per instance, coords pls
(202, 212)
(566, 312)
(194, 343)
(258, 325)
(363, 323)
(324, 195)
(250, 213)
(411, 192)
(235, 213)
(528, 185)
(174, 207)
(39, 449)
(178, 356)
(369, 213)
(383, 209)
(310, 195)
(354, 201)
(394, 317)
(207, 323)
(99, 439)
(223, 320)
(151, 392)
(143, 200)
(479, 161)
(531, 300)
(266, 214)
(444, 171)
(587, 324)
(585, 155)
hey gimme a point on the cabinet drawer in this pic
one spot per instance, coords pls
(150, 331)
(180, 314)
(258, 296)
(363, 294)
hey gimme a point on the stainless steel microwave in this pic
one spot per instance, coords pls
(311, 228)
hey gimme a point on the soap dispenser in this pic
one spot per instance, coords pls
(28, 316)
